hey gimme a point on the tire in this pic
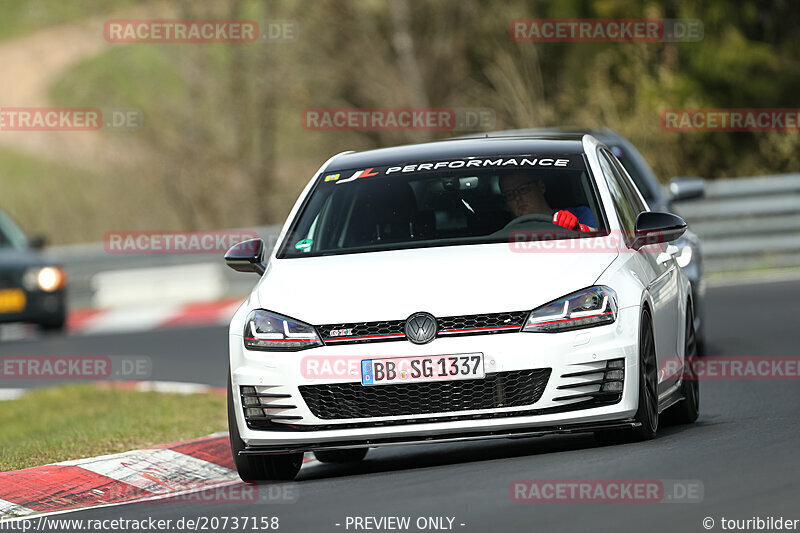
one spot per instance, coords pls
(258, 467)
(341, 456)
(687, 411)
(647, 411)
(53, 326)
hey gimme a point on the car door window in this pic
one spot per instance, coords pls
(622, 205)
(631, 191)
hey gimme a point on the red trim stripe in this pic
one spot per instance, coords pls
(281, 340)
(390, 335)
(497, 328)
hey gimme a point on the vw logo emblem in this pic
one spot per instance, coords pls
(421, 328)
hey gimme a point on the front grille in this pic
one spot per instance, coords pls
(478, 323)
(394, 330)
(353, 400)
(364, 331)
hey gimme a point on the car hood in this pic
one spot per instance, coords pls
(444, 281)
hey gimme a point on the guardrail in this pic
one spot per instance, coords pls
(747, 223)
(92, 273)
(744, 223)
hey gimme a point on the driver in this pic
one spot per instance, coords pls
(524, 195)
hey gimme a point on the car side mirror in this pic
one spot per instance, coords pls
(247, 256)
(37, 242)
(654, 228)
(687, 188)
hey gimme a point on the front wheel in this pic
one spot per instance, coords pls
(687, 411)
(258, 467)
(54, 325)
(647, 411)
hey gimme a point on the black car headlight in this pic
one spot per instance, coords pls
(272, 332)
(586, 308)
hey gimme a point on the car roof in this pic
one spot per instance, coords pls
(460, 148)
(608, 137)
(604, 135)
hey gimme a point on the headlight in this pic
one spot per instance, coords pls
(586, 308)
(46, 279)
(684, 257)
(276, 333)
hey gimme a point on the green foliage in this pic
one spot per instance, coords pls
(223, 130)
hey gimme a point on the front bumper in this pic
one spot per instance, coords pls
(40, 308)
(565, 354)
(564, 429)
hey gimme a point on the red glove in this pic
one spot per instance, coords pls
(584, 227)
(565, 219)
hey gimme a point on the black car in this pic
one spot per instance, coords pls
(31, 288)
(689, 253)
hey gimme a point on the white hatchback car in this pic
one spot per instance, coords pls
(459, 290)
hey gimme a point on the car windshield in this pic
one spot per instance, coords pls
(462, 201)
(10, 234)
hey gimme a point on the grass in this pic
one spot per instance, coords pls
(77, 421)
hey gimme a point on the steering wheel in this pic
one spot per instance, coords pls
(535, 217)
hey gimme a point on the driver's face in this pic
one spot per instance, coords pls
(524, 195)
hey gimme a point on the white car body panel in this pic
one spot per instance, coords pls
(391, 285)
(444, 281)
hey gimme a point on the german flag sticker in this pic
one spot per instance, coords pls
(332, 177)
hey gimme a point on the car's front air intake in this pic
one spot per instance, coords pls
(353, 400)
(600, 385)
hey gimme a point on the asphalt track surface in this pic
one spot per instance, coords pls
(743, 449)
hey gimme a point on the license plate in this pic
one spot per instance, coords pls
(12, 300)
(425, 368)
